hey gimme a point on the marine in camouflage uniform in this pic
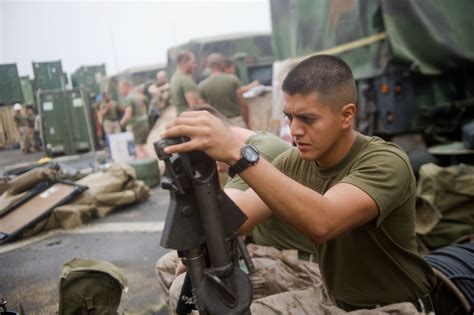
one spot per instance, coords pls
(30, 118)
(283, 262)
(352, 195)
(159, 92)
(21, 126)
(135, 116)
(182, 87)
(224, 92)
(109, 113)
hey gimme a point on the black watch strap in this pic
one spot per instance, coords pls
(245, 160)
(237, 167)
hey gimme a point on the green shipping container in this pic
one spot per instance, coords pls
(10, 88)
(27, 90)
(89, 77)
(49, 75)
(67, 121)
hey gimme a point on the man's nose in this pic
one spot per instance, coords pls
(296, 128)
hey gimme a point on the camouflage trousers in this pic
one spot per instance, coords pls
(277, 271)
(283, 284)
(111, 126)
(26, 138)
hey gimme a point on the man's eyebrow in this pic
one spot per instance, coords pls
(305, 115)
(287, 112)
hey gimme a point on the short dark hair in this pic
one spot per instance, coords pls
(183, 56)
(215, 61)
(228, 62)
(326, 75)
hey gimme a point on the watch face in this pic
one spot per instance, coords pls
(250, 153)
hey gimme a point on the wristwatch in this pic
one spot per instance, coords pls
(249, 155)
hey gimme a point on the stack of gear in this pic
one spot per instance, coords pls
(31, 198)
(95, 196)
(108, 189)
(445, 199)
(19, 186)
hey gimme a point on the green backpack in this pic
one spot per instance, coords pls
(90, 287)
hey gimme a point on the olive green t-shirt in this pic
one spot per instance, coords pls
(219, 90)
(377, 263)
(137, 102)
(112, 112)
(269, 145)
(273, 232)
(30, 120)
(20, 120)
(181, 84)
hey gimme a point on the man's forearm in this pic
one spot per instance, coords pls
(192, 99)
(248, 87)
(318, 217)
(123, 122)
(126, 117)
(299, 206)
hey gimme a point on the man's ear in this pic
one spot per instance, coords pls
(348, 112)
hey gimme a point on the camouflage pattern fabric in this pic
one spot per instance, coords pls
(442, 27)
(422, 49)
(277, 271)
(315, 26)
(315, 301)
(111, 127)
(282, 285)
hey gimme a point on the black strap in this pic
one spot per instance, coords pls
(184, 305)
(425, 304)
(238, 167)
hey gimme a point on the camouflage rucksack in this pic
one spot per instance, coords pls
(90, 287)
